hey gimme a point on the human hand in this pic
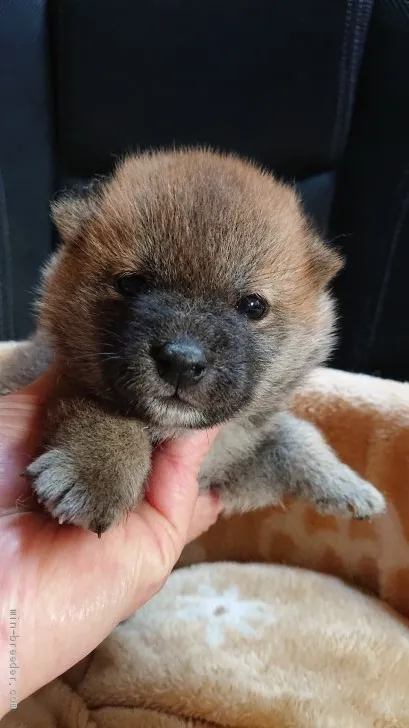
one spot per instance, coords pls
(69, 588)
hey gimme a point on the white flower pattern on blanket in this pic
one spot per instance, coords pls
(221, 612)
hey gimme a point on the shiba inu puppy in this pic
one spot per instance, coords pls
(189, 291)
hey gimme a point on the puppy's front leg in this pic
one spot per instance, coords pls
(95, 467)
(294, 460)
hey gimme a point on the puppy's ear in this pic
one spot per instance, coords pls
(72, 210)
(325, 262)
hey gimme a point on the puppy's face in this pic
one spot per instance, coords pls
(189, 287)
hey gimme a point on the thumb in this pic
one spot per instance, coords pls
(173, 491)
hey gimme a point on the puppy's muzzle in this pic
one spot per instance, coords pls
(180, 363)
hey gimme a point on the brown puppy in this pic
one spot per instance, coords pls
(189, 291)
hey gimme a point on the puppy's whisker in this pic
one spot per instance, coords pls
(95, 356)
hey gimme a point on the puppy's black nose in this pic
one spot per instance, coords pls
(180, 363)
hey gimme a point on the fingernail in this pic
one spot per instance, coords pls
(212, 501)
(216, 501)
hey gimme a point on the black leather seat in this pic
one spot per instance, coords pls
(318, 92)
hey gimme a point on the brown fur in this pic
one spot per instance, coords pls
(204, 229)
(186, 198)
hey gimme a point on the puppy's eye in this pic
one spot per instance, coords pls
(132, 285)
(254, 307)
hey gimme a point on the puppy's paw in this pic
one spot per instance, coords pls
(351, 496)
(77, 495)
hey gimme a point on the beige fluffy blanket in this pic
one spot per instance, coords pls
(271, 645)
